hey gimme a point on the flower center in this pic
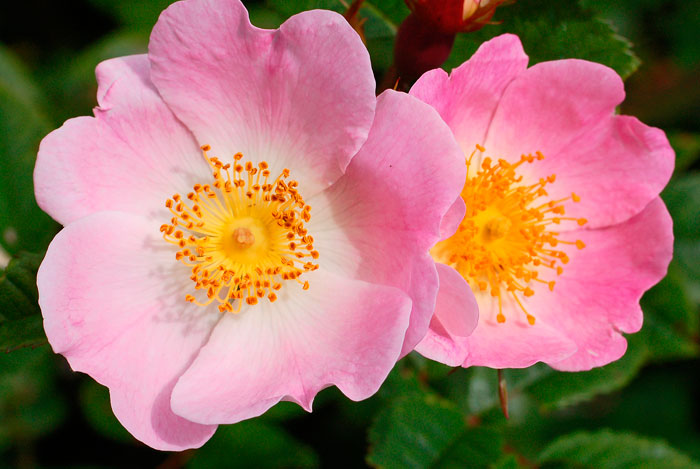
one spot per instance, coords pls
(506, 239)
(241, 236)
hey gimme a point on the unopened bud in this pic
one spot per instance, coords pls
(420, 47)
(455, 16)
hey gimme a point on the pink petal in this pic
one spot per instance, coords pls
(300, 97)
(378, 222)
(456, 316)
(456, 307)
(340, 332)
(549, 105)
(616, 167)
(468, 97)
(578, 325)
(127, 158)
(113, 306)
(515, 343)
(597, 296)
(564, 109)
(453, 218)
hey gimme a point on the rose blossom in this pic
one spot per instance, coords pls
(198, 284)
(563, 229)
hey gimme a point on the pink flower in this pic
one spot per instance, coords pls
(563, 229)
(198, 284)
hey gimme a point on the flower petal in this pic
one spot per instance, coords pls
(468, 97)
(515, 343)
(597, 296)
(130, 157)
(453, 218)
(627, 164)
(339, 332)
(456, 316)
(456, 305)
(565, 109)
(378, 222)
(113, 306)
(300, 97)
(550, 104)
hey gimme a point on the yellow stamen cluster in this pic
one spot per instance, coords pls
(242, 235)
(505, 238)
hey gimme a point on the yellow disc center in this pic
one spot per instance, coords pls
(506, 236)
(243, 235)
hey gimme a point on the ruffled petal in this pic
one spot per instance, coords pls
(456, 316)
(130, 157)
(551, 104)
(594, 300)
(300, 97)
(468, 97)
(616, 168)
(597, 296)
(339, 332)
(515, 343)
(378, 222)
(111, 296)
(565, 109)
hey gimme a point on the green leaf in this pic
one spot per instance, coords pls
(23, 226)
(687, 147)
(382, 19)
(20, 333)
(264, 17)
(682, 302)
(423, 430)
(72, 81)
(253, 443)
(97, 410)
(392, 12)
(14, 76)
(286, 8)
(482, 390)
(682, 198)
(20, 317)
(30, 405)
(606, 449)
(137, 14)
(18, 291)
(508, 461)
(550, 31)
(413, 432)
(670, 317)
(475, 447)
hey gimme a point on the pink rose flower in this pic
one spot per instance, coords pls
(198, 284)
(563, 229)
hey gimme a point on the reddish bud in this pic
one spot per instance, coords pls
(454, 16)
(419, 48)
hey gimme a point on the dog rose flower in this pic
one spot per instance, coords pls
(563, 229)
(244, 222)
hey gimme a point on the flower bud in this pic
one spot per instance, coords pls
(420, 47)
(454, 16)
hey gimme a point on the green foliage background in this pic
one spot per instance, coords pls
(642, 411)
